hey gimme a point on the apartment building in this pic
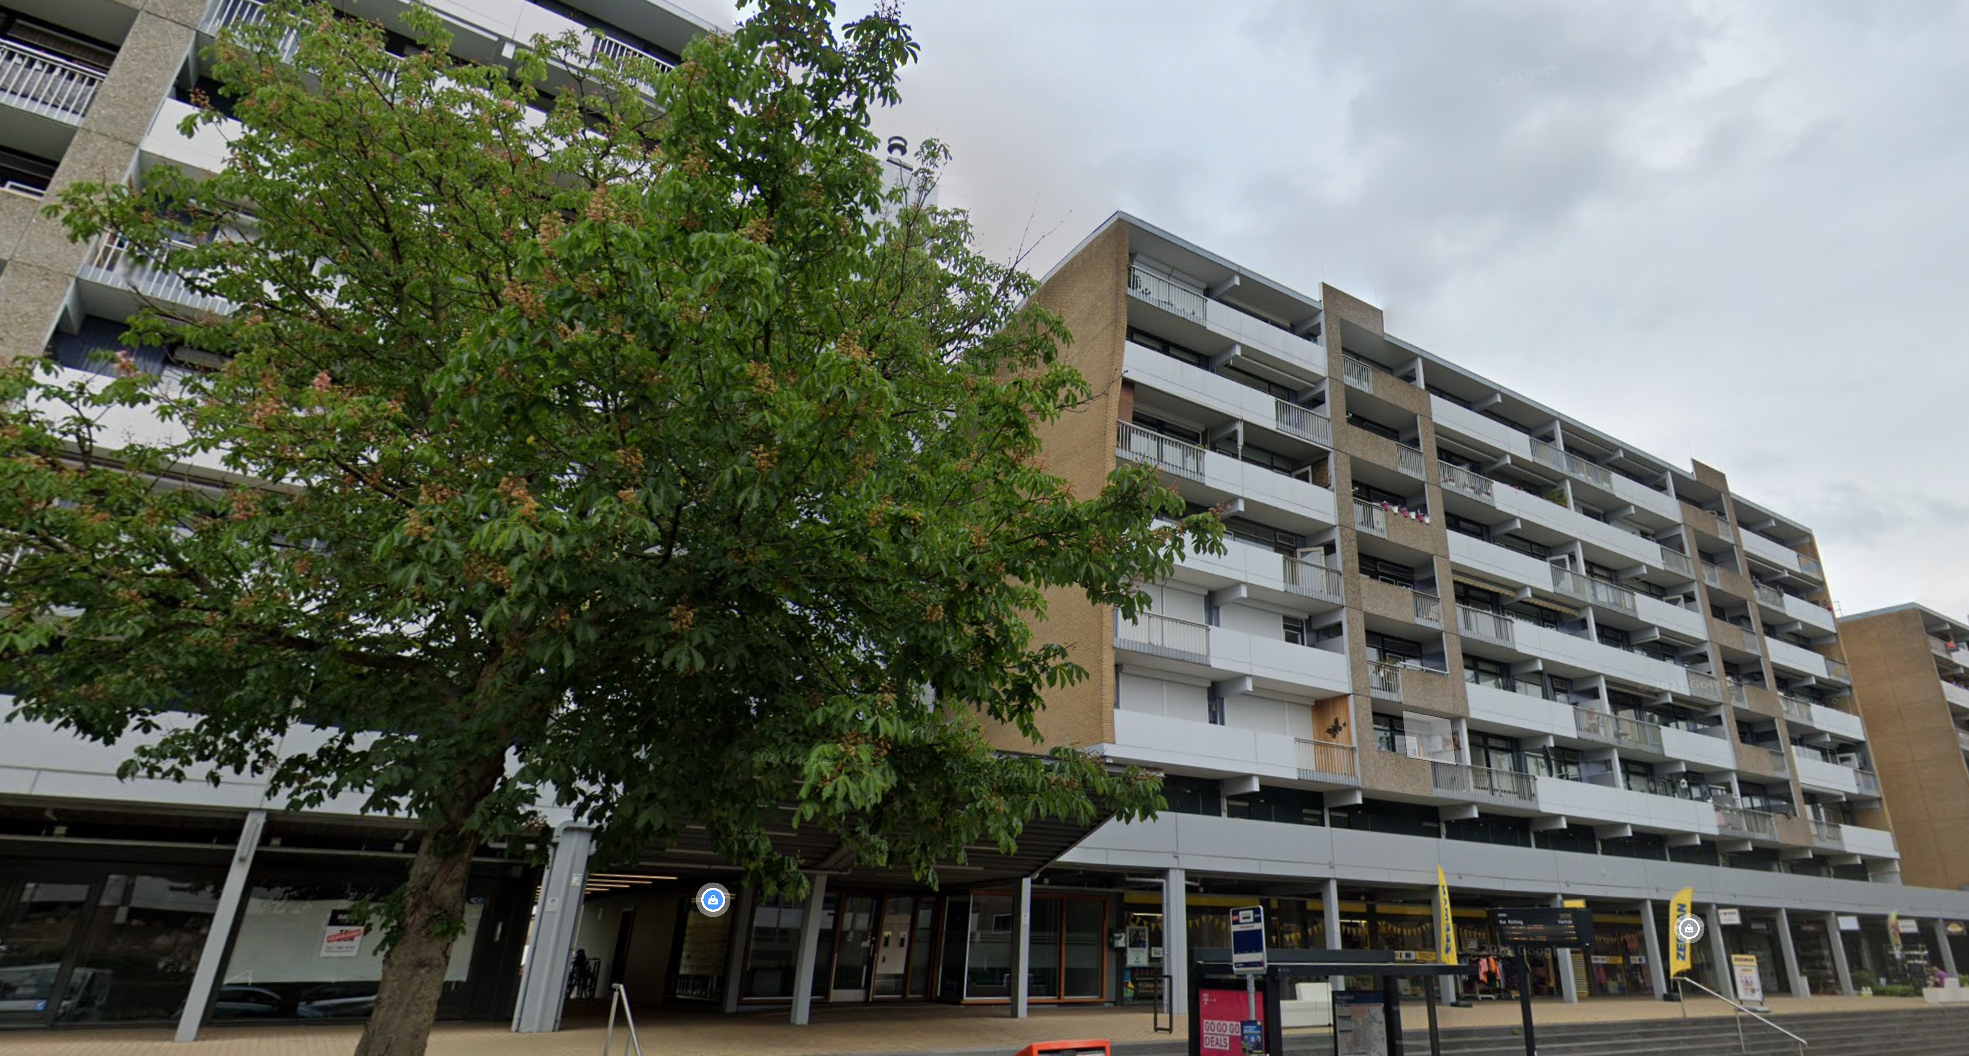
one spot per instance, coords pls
(1911, 679)
(1453, 627)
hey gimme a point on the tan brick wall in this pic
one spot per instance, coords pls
(1922, 775)
(1088, 292)
(1435, 692)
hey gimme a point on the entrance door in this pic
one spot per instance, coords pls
(40, 923)
(892, 951)
(854, 948)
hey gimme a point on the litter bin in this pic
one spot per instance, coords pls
(1083, 1047)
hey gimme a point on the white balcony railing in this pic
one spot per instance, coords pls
(1742, 821)
(1480, 624)
(1867, 780)
(610, 48)
(1797, 710)
(1306, 423)
(1357, 374)
(1165, 291)
(1428, 608)
(1164, 452)
(43, 83)
(1571, 464)
(1314, 580)
(1613, 597)
(24, 190)
(1324, 760)
(1384, 678)
(1769, 595)
(1708, 687)
(1962, 739)
(1456, 478)
(1568, 582)
(1409, 460)
(1712, 575)
(1460, 779)
(1826, 833)
(1163, 636)
(1616, 729)
(1676, 561)
(1837, 670)
(112, 263)
(1370, 518)
(224, 14)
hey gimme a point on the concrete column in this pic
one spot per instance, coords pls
(1790, 954)
(1446, 985)
(1562, 966)
(1838, 944)
(803, 969)
(1021, 948)
(1657, 968)
(1947, 951)
(735, 946)
(1330, 900)
(1176, 939)
(557, 917)
(1719, 955)
(230, 896)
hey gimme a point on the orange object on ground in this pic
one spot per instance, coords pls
(1067, 1048)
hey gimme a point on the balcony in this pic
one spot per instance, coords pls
(1827, 834)
(46, 84)
(1955, 694)
(1837, 671)
(1163, 452)
(1677, 562)
(1464, 482)
(1769, 595)
(1325, 761)
(1712, 575)
(609, 48)
(1478, 782)
(1610, 596)
(1568, 582)
(1384, 680)
(1746, 823)
(113, 263)
(1305, 423)
(1797, 710)
(1617, 730)
(1867, 782)
(1873, 843)
(1428, 609)
(1163, 636)
(1708, 687)
(1370, 518)
(1166, 292)
(1962, 739)
(1314, 581)
(1409, 461)
(1571, 464)
(1488, 626)
(1357, 373)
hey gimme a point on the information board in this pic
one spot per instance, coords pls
(1360, 1023)
(1543, 926)
(1248, 940)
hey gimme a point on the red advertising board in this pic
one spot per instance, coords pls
(1221, 1014)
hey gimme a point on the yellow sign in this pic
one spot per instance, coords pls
(1572, 903)
(1445, 926)
(1679, 954)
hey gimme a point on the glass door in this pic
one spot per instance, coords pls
(892, 951)
(40, 921)
(854, 948)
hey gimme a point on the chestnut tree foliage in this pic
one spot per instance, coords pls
(595, 434)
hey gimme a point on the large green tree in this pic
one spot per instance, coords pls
(598, 435)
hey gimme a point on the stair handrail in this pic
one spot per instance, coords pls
(619, 998)
(1679, 980)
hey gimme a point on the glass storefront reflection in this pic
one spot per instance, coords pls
(100, 947)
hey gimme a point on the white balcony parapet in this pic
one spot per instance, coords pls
(113, 264)
(1480, 624)
(1712, 575)
(1324, 760)
(43, 83)
(1769, 595)
(1163, 636)
(1314, 580)
(1571, 464)
(1676, 561)
(1797, 710)
(1357, 373)
(1609, 595)
(1742, 821)
(1428, 608)
(1164, 452)
(1409, 460)
(1962, 739)
(1305, 423)
(1484, 782)
(1458, 479)
(1708, 687)
(1568, 582)
(1837, 670)
(1165, 291)
(1370, 518)
(1826, 833)
(1867, 780)
(1955, 694)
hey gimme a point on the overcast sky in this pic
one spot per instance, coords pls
(1722, 231)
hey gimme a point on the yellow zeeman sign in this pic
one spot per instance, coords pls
(1445, 927)
(1682, 905)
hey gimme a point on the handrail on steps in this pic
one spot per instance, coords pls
(619, 998)
(1741, 1045)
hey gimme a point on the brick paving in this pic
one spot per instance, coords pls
(834, 1032)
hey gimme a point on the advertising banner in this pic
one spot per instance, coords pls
(1221, 1015)
(1682, 905)
(1750, 982)
(1445, 926)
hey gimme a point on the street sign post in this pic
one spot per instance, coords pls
(1248, 960)
(1564, 927)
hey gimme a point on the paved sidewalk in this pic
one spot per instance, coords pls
(834, 1032)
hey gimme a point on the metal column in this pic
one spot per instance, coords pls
(803, 970)
(557, 917)
(1021, 981)
(230, 896)
(1837, 941)
(1790, 954)
(1657, 968)
(740, 937)
(1562, 965)
(1176, 940)
(1330, 902)
(1719, 953)
(1948, 952)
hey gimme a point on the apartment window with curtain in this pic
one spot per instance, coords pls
(1557, 762)
(1478, 598)
(1484, 672)
(1388, 649)
(1388, 732)
(1495, 751)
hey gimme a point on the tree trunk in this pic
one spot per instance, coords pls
(413, 970)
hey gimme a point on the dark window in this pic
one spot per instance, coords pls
(1473, 529)
(1481, 671)
(1372, 426)
(1523, 546)
(1371, 494)
(1254, 381)
(1387, 571)
(1478, 598)
(1613, 636)
(1392, 650)
(1168, 348)
(1168, 428)
(1562, 763)
(1290, 806)
(1264, 535)
(1495, 751)
(1191, 795)
(1485, 828)
(94, 345)
(1387, 732)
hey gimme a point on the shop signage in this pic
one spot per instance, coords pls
(1221, 1014)
(1248, 940)
(1750, 982)
(1731, 917)
(342, 937)
(1847, 923)
(1910, 927)
(1543, 926)
(1360, 1023)
(1955, 927)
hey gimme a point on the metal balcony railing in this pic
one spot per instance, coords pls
(1164, 452)
(1456, 478)
(1962, 739)
(1769, 595)
(1480, 624)
(44, 83)
(1408, 460)
(1676, 561)
(1826, 833)
(1163, 636)
(1738, 695)
(1837, 669)
(1314, 580)
(1705, 686)
(1461, 779)
(1306, 423)
(1428, 608)
(1571, 464)
(606, 47)
(1797, 710)
(1712, 575)
(1370, 518)
(1775, 759)
(113, 263)
(1357, 373)
(225, 14)
(1742, 821)
(1867, 780)
(1324, 760)
(1809, 566)
(1611, 596)
(1568, 582)
(1165, 291)
(1384, 678)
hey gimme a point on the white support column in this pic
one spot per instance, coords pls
(1021, 981)
(1941, 943)
(1657, 968)
(1562, 966)
(1176, 940)
(1719, 954)
(230, 896)
(1446, 984)
(1790, 954)
(556, 919)
(803, 969)
(1838, 943)
(735, 945)
(1330, 901)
